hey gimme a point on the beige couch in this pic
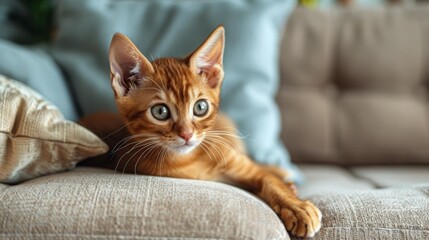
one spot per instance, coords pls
(354, 96)
(354, 99)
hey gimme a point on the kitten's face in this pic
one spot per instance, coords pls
(173, 105)
(168, 102)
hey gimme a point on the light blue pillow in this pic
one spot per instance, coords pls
(35, 68)
(162, 28)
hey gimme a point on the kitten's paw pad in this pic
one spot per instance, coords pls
(303, 220)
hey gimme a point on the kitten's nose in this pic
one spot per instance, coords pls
(186, 134)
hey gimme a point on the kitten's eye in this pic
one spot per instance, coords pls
(201, 107)
(160, 112)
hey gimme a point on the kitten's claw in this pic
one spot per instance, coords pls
(303, 220)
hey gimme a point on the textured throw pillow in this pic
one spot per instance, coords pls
(176, 28)
(35, 139)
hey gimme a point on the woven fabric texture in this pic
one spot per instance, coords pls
(35, 139)
(396, 213)
(89, 203)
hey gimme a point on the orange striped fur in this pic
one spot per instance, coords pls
(185, 145)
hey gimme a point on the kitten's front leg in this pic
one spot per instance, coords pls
(283, 175)
(301, 218)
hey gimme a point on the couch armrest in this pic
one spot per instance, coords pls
(89, 203)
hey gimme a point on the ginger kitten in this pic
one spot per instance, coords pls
(170, 108)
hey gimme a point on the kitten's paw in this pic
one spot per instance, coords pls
(302, 220)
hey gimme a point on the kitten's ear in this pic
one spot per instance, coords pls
(128, 66)
(207, 59)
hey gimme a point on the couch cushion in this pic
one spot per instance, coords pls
(34, 67)
(89, 203)
(393, 176)
(35, 139)
(326, 179)
(400, 213)
(174, 29)
(354, 88)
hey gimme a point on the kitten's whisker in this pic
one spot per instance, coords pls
(221, 154)
(221, 141)
(129, 159)
(164, 156)
(121, 142)
(156, 159)
(122, 146)
(142, 146)
(226, 133)
(218, 159)
(151, 149)
(203, 146)
(125, 140)
(219, 136)
(163, 159)
(147, 150)
(134, 142)
(120, 159)
(234, 130)
(137, 144)
(210, 145)
(158, 165)
(221, 157)
(159, 158)
(148, 147)
(117, 130)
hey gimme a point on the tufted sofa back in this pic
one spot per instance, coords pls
(355, 84)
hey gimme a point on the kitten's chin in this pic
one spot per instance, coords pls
(184, 149)
(181, 147)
